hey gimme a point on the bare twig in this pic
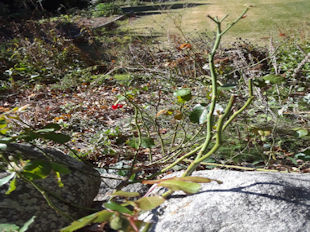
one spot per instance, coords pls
(298, 69)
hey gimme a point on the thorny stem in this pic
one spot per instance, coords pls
(201, 155)
(218, 142)
(214, 85)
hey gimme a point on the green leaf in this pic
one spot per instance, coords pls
(302, 132)
(147, 142)
(59, 181)
(198, 114)
(198, 179)
(3, 131)
(37, 169)
(176, 185)
(20, 69)
(27, 224)
(294, 161)
(227, 87)
(30, 135)
(123, 172)
(102, 216)
(120, 98)
(12, 186)
(132, 177)
(122, 78)
(125, 194)
(54, 126)
(6, 179)
(9, 228)
(302, 156)
(57, 167)
(183, 95)
(117, 207)
(3, 146)
(260, 83)
(56, 137)
(6, 140)
(274, 79)
(116, 222)
(3, 122)
(307, 152)
(133, 142)
(149, 203)
(45, 130)
(99, 217)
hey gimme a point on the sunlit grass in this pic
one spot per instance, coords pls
(267, 18)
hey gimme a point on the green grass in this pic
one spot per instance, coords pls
(267, 18)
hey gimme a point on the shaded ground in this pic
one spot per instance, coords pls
(158, 8)
(100, 132)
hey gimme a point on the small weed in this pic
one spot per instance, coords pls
(107, 9)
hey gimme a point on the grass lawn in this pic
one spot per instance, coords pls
(276, 18)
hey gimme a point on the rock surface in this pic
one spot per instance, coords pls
(111, 181)
(246, 201)
(80, 187)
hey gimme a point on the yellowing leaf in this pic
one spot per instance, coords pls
(12, 116)
(21, 109)
(58, 177)
(183, 95)
(198, 179)
(3, 109)
(264, 132)
(3, 131)
(125, 194)
(161, 112)
(185, 46)
(12, 186)
(165, 112)
(176, 185)
(148, 203)
(14, 110)
(178, 115)
(169, 112)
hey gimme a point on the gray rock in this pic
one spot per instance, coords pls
(81, 185)
(111, 181)
(246, 201)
